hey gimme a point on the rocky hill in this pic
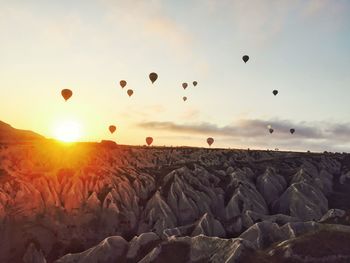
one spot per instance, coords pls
(8, 134)
(109, 203)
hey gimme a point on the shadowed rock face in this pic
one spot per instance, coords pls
(91, 203)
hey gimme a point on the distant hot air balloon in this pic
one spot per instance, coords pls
(130, 92)
(292, 131)
(122, 83)
(184, 85)
(275, 92)
(184, 98)
(271, 130)
(112, 128)
(149, 140)
(153, 77)
(66, 94)
(245, 58)
(195, 83)
(210, 141)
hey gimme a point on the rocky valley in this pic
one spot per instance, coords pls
(102, 202)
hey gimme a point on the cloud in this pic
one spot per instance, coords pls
(341, 131)
(151, 20)
(315, 136)
(323, 7)
(243, 128)
(191, 113)
(259, 23)
(126, 20)
(146, 112)
(41, 30)
(168, 30)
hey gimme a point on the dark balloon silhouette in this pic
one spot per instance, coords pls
(130, 92)
(149, 140)
(245, 58)
(184, 98)
(66, 94)
(195, 83)
(275, 92)
(122, 83)
(153, 77)
(210, 141)
(271, 130)
(112, 128)
(292, 131)
(184, 85)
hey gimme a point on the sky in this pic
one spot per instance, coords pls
(301, 48)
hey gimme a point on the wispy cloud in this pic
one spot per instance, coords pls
(260, 22)
(190, 114)
(323, 7)
(151, 20)
(40, 29)
(168, 30)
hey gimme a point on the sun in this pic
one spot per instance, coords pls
(68, 131)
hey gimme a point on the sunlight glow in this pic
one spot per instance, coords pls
(68, 131)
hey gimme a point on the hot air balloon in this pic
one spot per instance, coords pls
(66, 94)
(245, 58)
(112, 128)
(184, 85)
(292, 131)
(149, 140)
(271, 130)
(184, 98)
(195, 83)
(275, 92)
(153, 77)
(122, 83)
(130, 92)
(210, 141)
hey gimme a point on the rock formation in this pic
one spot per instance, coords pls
(92, 203)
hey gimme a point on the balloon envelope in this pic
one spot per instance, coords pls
(66, 94)
(195, 83)
(184, 98)
(245, 58)
(184, 85)
(122, 83)
(275, 92)
(153, 77)
(271, 130)
(112, 128)
(210, 141)
(149, 140)
(292, 131)
(130, 92)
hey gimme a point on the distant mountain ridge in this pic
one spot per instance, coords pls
(8, 134)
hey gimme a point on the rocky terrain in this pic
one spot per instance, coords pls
(8, 134)
(101, 202)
